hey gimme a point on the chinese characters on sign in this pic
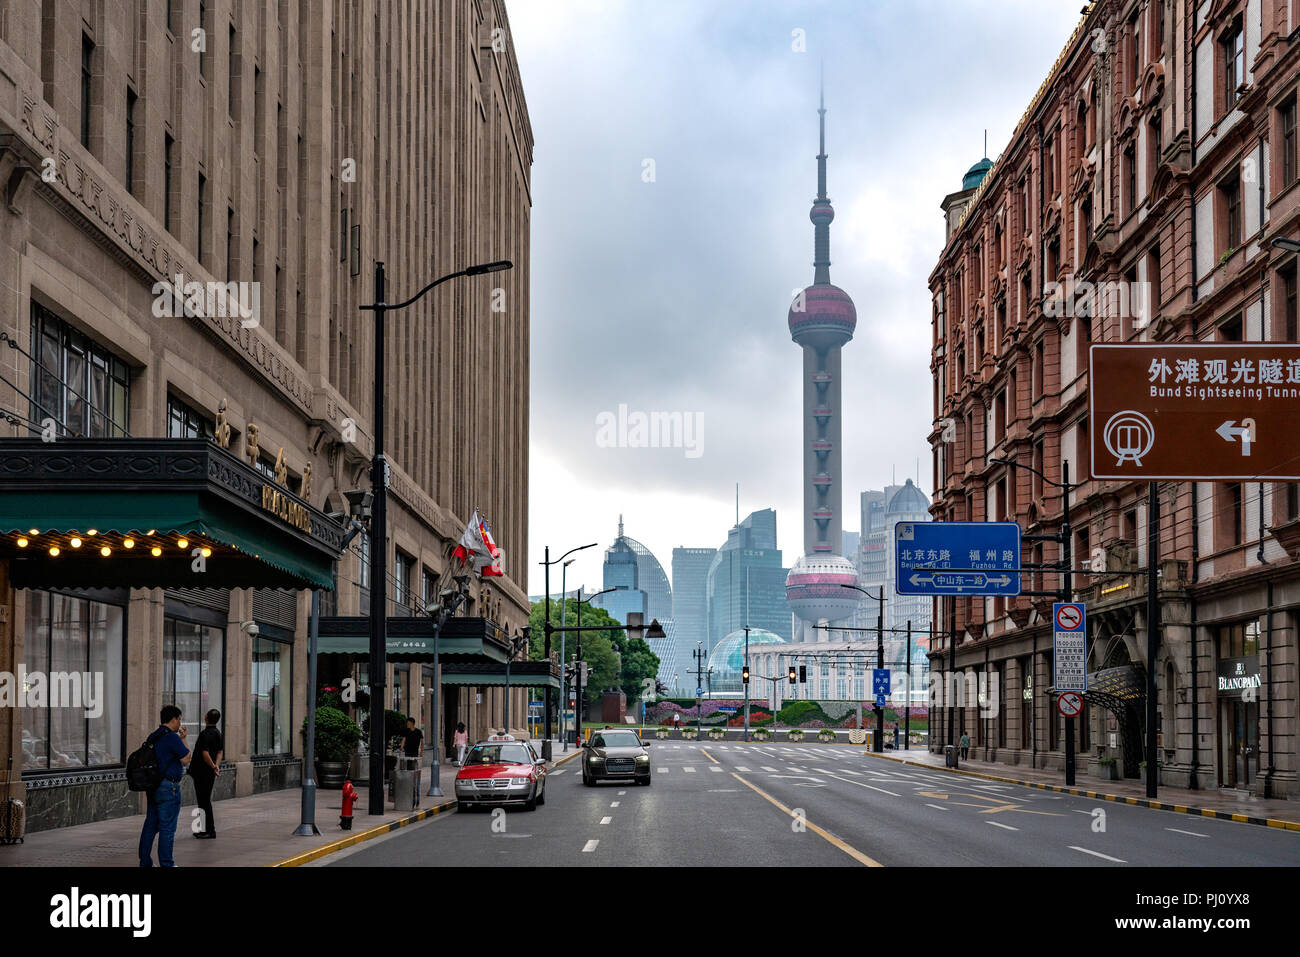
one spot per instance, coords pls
(1194, 411)
(984, 558)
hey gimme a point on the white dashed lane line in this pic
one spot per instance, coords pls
(1005, 827)
(606, 820)
(1188, 833)
(714, 767)
(689, 769)
(768, 767)
(1107, 857)
(937, 807)
(589, 847)
(614, 803)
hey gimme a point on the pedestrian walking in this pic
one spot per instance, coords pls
(461, 740)
(168, 743)
(205, 768)
(965, 745)
(412, 740)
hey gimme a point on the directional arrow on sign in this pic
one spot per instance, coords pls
(1228, 431)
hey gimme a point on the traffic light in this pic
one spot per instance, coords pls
(803, 674)
(744, 674)
(792, 679)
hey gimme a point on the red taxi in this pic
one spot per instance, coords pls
(501, 771)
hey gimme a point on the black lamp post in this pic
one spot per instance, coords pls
(1066, 593)
(547, 628)
(879, 743)
(379, 527)
(577, 663)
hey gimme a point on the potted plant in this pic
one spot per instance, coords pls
(336, 737)
(717, 734)
(662, 733)
(825, 734)
(1107, 769)
(762, 734)
(690, 734)
(795, 734)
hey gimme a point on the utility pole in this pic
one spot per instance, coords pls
(1153, 629)
(698, 654)
(1067, 594)
(907, 732)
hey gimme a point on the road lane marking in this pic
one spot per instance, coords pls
(740, 768)
(1074, 847)
(556, 771)
(614, 803)
(622, 792)
(1077, 811)
(690, 769)
(853, 852)
(606, 820)
(589, 846)
(709, 756)
(715, 768)
(861, 784)
(1005, 827)
(1189, 833)
(662, 770)
(768, 767)
(937, 807)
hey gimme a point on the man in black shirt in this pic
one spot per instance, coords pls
(205, 769)
(412, 740)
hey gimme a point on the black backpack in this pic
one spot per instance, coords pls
(143, 772)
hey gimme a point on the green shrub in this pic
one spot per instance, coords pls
(330, 699)
(337, 735)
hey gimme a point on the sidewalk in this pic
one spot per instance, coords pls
(254, 831)
(1209, 802)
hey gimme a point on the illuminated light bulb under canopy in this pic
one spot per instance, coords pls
(54, 550)
(22, 542)
(155, 551)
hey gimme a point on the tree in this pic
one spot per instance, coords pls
(640, 666)
(597, 648)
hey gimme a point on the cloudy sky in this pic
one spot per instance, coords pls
(673, 174)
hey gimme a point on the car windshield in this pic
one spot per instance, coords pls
(498, 754)
(617, 739)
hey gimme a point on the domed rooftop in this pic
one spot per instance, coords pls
(729, 656)
(822, 314)
(909, 498)
(813, 588)
(975, 175)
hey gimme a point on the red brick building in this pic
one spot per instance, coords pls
(1135, 202)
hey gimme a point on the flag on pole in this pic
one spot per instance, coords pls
(477, 548)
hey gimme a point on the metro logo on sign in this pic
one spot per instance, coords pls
(1194, 411)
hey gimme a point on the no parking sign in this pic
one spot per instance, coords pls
(1070, 644)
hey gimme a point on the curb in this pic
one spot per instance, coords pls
(1117, 798)
(380, 829)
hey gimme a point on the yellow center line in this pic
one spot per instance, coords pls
(709, 756)
(826, 835)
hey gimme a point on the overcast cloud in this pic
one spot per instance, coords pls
(672, 295)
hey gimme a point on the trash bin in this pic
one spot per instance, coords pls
(405, 780)
(950, 755)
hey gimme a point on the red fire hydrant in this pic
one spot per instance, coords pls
(349, 798)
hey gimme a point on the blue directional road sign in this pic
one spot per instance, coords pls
(987, 554)
(879, 681)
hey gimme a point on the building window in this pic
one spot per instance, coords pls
(234, 89)
(1234, 64)
(363, 576)
(205, 52)
(429, 589)
(171, 15)
(403, 572)
(230, 244)
(1233, 492)
(1289, 303)
(1230, 193)
(168, 142)
(185, 423)
(1287, 116)
(826, 689)
(193, 669)
(87, 55)
(77, 383)
(271, 687)
(1231, 330)
(130, 140)
(203, 202)
(1130, 177)
(1135, 50)
(65, 633)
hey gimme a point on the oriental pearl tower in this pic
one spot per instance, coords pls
(822, 319)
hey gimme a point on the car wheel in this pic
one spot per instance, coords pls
(531, 803)
(586, 779)
(541, 798)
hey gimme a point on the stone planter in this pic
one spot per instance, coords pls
(795, 734)
(330, 775)
(662, 733)
(826, 735)
(1107, 772)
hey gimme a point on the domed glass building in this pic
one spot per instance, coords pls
(729, 657)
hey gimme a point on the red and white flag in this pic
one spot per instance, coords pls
(477, 548)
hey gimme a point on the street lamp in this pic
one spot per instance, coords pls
(546, 632)
(577, 660)
(564, 608)
(1289, 245)
(1066, 593)
(379, 528)
(879, 743)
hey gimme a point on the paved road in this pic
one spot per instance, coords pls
(818, 805)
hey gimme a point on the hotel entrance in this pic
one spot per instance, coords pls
(1237, 685)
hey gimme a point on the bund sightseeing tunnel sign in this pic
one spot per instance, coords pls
(1195, 411)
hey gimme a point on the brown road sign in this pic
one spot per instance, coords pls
(1195, 411)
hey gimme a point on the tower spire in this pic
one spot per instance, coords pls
(822, 213)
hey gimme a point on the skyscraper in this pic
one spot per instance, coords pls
(690, 610)
(746, 581)
(822, 319)
(636, 573)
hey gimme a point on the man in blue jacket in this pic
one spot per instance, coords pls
(165, 800)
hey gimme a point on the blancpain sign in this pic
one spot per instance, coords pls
(1238, 675)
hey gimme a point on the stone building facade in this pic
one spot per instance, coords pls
(1157, 162)
(288, 145)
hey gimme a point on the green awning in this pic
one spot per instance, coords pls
(93, 512)
(411, 639)
(534, 674)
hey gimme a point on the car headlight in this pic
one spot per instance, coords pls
(643, 757)
(520, 782)
(593, 759)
